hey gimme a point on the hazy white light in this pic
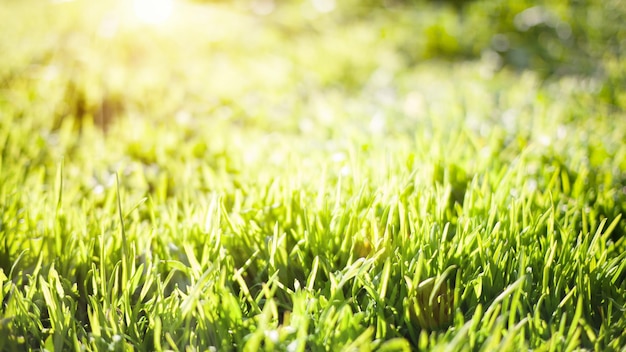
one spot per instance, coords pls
(153, 11)
(263, 7)
(324, 6)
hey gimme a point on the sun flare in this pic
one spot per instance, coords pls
(153, 11)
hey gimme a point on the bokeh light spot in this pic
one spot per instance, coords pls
(153, 11)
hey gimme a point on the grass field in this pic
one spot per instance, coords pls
(324, 177)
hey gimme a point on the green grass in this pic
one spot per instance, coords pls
(228, 191)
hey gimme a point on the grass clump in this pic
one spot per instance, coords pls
(154, 203)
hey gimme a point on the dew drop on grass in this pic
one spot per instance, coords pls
(98, 189)
(272, 335)
(292, 346)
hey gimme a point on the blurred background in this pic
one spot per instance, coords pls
(92, 62)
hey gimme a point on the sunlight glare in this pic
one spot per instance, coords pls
(153, 11)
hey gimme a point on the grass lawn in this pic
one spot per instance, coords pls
(312, 176)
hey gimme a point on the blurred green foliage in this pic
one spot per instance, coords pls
(269, 57)
(550, 37)
(579, 38)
